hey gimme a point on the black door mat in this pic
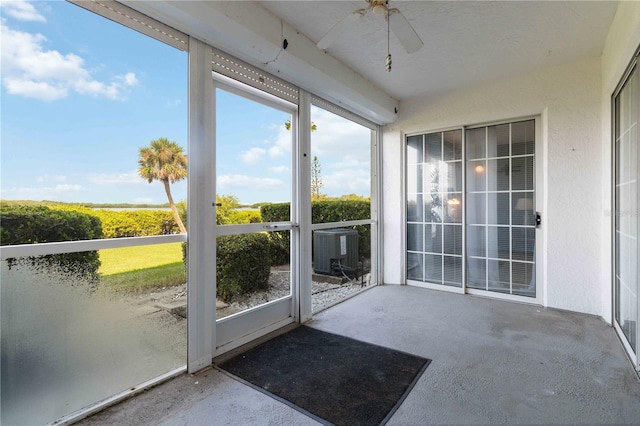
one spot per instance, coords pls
(334, 379)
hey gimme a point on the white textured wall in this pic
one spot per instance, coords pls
(622, 42)
(569, 100)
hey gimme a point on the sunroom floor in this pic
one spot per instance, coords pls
(493, 362)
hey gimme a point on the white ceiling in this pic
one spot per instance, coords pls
(466, 43)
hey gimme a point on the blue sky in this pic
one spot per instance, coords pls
(81, 94)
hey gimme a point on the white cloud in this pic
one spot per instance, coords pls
(344, 151)
(130, 79)
(54, 178)
(346, 176)
(348, 162)
(30, 70)
(128, 178)
(282, 145)
(97, 88)
(21, 10)
(31, 89)
(252, 156)
(279, 169)
(40, 193)
(337, 136)
(242, 181)
(347, 181)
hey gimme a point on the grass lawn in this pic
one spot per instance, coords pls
(114, 261)
(140, 280)
(142, 268)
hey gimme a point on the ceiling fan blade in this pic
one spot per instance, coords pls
(404, 31)
(339, 28)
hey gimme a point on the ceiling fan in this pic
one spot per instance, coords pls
(396, 22)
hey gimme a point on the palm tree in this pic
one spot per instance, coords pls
(163, 160)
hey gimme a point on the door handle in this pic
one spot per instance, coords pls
(283, 226)
(538, 219)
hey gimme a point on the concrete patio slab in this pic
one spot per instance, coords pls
(494, 362)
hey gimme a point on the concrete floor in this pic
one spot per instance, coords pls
(493, 362)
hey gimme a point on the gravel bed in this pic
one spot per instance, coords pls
(322, 294)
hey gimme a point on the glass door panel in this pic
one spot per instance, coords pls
(627, 279)
(501, 208)
(254, 220)
(434, 208)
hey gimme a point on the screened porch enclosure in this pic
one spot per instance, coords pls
(89, 341)
(519, 187)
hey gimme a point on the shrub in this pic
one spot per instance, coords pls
(279, 241)
(243, 264)
(279, 247)
(279, 212)
(230, 216)
(321, 212)
(22, 224)
(129, 223)
(243, 216)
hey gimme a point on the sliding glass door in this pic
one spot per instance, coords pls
(626, 249)
(471, 210)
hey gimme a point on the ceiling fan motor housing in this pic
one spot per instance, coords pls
(380, 7)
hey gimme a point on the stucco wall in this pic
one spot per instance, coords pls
(569, 100)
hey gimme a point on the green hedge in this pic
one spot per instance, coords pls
(321, 212)
(236, 216)
(279, 247)
(279, 241)
(279, 212)
(243, 264)
(129, 223)
(137, 223)
(21, 224)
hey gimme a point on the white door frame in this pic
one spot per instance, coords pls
(243, 327)
(632, 352)
(539, 299)
(207, 337)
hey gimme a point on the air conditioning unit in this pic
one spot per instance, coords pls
(335, 252)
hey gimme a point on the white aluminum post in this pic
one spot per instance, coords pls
(375, 271)
(304, 204)
(201, 210)
(380, 201)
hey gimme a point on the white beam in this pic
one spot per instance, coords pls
(249, 32)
